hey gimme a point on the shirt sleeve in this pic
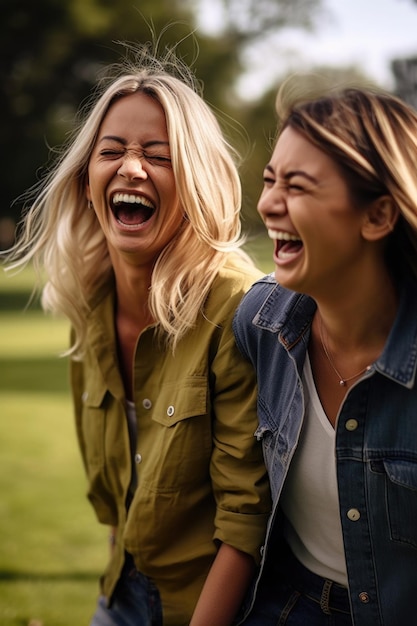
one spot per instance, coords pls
(238, 471)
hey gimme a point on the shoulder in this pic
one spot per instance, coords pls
(267, 306)
(239, 270)
(260, 293)
(262, 289)
(232, 281)
(235, 277)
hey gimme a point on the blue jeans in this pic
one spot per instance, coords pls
(135, 602)
(291, 595)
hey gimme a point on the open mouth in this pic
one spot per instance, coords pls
(131, 210)
(286, 244)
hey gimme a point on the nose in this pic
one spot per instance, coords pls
(132, 168)
(272, 202)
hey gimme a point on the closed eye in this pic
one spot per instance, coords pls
(269, 175)
(157, 158)
(111, 153)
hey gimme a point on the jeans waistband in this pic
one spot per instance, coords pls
(328, 594)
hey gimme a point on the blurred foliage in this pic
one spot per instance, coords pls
(246, 20)
(52, 52)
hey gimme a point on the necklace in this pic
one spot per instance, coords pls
(342, 381)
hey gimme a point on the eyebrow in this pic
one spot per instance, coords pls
(292, 173)
(151, 142)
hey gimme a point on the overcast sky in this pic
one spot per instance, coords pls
(366, 33)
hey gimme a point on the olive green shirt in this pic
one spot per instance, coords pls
(200, 472)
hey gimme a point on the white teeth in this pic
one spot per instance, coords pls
(130, 198)
(282, 236)
(285, 255)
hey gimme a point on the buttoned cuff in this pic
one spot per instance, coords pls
(242, 531)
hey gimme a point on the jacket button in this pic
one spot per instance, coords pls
(138, 458)
(353, 515)
(351, 424)
(364, 597)
(146, 403)
(170, 411)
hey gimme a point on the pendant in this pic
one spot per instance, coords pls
(342, 383)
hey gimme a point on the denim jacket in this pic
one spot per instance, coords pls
(376, 444)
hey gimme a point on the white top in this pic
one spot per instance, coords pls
(310, 498)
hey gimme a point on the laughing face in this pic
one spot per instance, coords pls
(131, 183)
(309, 214)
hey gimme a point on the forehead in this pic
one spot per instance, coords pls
(134, 113)
(295, 149)
(295, 155)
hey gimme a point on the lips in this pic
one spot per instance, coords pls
(287, 244)
(131, 210)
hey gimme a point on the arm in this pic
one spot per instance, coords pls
(225, 588)
(238, 474)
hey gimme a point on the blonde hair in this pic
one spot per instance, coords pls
(372, 136)
(61, 236)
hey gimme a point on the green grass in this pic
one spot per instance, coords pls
(21, 281)
(15, 291)
(52, 548)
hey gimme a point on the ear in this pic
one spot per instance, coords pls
(87, 191)
(380, 218)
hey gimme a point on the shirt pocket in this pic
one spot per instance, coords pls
(179, 442)
(402, 500)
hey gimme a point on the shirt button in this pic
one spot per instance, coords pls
(170, 411)
(138, 458)
(364, 597)
(84, 397)
(351, 424)
(353, 515)
(146, 403)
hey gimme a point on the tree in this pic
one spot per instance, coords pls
(51, 52)
(248, 20)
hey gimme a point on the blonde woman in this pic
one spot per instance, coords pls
(138, 231)
(333, 337)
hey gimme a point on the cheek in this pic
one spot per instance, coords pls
(100, 174)
(169, 196)
(172, 221)
(175, 217)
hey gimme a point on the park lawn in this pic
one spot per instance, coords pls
(52, 550)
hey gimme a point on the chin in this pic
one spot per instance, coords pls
(283, 279)
(287, 282)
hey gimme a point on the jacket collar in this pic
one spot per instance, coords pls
(398, 361)
(289, 314)
(285, 312)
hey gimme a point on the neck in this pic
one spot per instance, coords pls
(348, 335)
(363, 318)
(132, 292)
